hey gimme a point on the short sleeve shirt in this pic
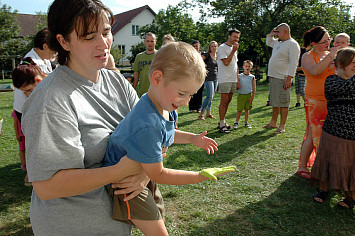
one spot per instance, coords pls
(67, 121)
(226, 73)
(141, 65)
(141, 135)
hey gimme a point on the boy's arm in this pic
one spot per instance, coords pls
(199, 140)
(161, 175)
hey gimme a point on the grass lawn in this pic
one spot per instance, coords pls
(263, 197)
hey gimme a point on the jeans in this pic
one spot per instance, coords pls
(211, 87)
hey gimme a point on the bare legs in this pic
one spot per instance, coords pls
(283, 117)
(306, 150)
(151, 228)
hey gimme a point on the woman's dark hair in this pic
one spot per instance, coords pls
(26, 72)
(64, 16)
(344, 57)
(313, 35)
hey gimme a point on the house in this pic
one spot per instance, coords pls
(124, 29)
(126, 25)
(28, 24)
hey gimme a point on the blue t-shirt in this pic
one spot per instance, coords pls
(141, 135)
(246, 83)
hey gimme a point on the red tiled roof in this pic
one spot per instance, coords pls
(124, 18)
(28, 24)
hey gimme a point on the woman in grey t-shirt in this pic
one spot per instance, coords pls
(67, 121)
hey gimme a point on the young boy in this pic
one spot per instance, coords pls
(246, 93)
(342, 40)
(176, 73)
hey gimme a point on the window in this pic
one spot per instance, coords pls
(135, 29)
(122, 49)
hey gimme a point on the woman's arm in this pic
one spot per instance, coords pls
(71, 182)
(313, 68)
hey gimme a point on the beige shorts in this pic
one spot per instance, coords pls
(227, 87)
(279, 97)
(148, 205)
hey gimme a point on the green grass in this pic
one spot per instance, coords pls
(263, 197)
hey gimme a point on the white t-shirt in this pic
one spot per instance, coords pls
(226, 73)
(19, 99)
(284, 57)
(45, 64)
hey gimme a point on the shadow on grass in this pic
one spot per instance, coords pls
(284, 212)
(13, 194)
(227, 151)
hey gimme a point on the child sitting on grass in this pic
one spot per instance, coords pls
(246, 94)
(176, 73)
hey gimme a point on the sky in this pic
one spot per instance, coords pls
(117, 6)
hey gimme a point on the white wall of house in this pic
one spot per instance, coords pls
(125, 37)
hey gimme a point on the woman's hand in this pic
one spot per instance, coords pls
(133, 184)
(201, 141)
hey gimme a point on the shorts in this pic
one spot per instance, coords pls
(279, 97)
(227, 87)
(243, 102)
(148, 205)
(300, 82)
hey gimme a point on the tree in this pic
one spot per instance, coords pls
(174, 20)
(8, 23)
(256, 18)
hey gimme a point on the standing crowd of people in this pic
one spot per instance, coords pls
(95, 142)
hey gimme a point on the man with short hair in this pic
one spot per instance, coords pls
(282, 67)
(142, 63)
(41, 54)
(227, 75)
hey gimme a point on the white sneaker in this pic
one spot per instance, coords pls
(236, 124)
(247, 126)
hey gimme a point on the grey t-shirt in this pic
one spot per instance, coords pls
(67, 121)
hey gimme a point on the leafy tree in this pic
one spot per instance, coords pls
(174, 20)
(116, 53)
(256, 18)
(135, 49)
(8, 23)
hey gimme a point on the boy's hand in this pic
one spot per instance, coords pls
(238, 85)
(213, 173)
(201, 141)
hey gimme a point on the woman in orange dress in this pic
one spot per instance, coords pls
(317, 65)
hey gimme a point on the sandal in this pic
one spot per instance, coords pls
(322, 195)
(348, 203)
(224, 129)
(267, 126)
(210, 116)
(305, 174)
(201, 117)
(279, 131)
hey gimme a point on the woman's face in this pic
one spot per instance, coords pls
(324, 43)
(213, 47)
(348, 71)
(90, 54)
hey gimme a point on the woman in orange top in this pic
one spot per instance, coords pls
(317, 65)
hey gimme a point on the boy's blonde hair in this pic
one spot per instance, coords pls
(344, 57)
(248, 61)
(177, 60)
(345, 35)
